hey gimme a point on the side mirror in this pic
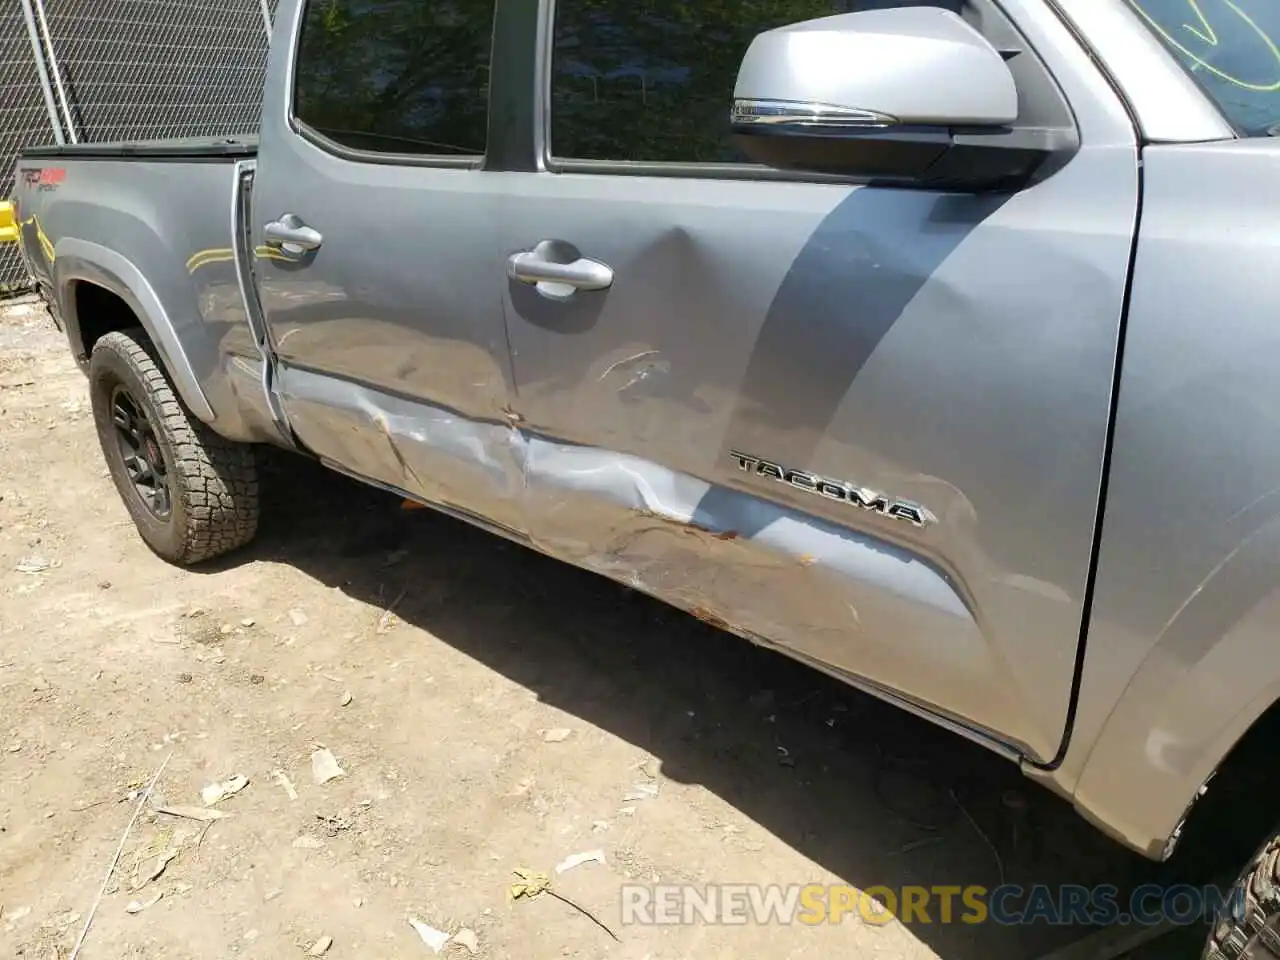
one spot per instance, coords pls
(910, 94)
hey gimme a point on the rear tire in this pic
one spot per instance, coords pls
(192, 494)
(1250, 930)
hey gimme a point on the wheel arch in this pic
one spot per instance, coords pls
(89, 275)
(1197, 704)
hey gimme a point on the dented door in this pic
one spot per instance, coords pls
(864, 424)
(377, 260)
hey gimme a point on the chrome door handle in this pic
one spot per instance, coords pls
(557, 270)
(291, 235)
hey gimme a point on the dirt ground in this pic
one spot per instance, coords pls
(449, 717)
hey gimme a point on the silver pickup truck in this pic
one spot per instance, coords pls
(933, 344)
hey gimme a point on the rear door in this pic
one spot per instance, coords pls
(932, 371)
(373, 223)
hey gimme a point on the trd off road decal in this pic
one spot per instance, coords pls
(45, 178)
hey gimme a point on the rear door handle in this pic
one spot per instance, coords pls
(557, 269)
(291, 235)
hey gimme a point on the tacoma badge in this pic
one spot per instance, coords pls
(848, 493)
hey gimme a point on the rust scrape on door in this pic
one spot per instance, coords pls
(753, 565)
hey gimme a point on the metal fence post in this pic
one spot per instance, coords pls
(57, 74)
(38, 52)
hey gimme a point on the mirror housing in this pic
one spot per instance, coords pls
(908, 94)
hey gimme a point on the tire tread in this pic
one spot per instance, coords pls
(1232, 937)
(215, 478)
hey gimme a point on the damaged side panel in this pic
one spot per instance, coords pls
(896, 402)
(844, 435)
(819, 585)
(426, 451)
(818, 588)
(922, 380)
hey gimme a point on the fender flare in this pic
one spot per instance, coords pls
(1200, 689)
(75, 259)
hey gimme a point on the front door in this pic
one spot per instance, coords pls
(378, 271)
(866, 424)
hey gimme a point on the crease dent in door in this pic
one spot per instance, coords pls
(632, 520)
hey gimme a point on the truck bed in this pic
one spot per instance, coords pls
(181, 148)
(150, 221)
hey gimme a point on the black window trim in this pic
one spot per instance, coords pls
(355, 155)
(544, 160)
(513, 102)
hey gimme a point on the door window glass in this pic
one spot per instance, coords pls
(396, 76)
(653, 80)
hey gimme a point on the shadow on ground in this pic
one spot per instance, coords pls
(871, 793)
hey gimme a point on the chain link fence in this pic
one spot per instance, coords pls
(135, 69)
(126, 70)
(23, 119)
